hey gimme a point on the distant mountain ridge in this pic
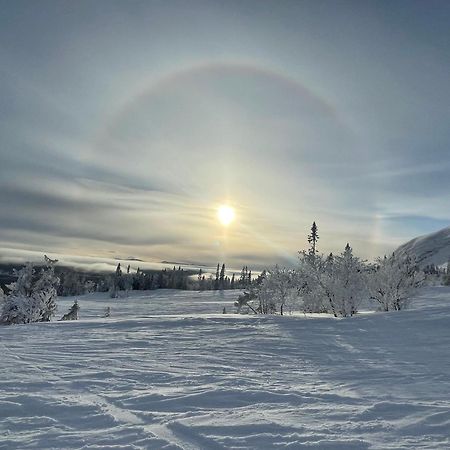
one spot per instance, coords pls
(433, 248)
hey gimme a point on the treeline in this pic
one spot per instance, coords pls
(74, 282)
(177, 278)
(141, 280)
(221, 281)
(121, 281)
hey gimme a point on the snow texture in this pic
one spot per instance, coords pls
(168, 370)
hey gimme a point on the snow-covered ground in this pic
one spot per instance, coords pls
(167, 370)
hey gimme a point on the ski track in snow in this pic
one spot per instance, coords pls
(168, 371)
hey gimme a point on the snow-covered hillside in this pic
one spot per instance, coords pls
(431, 248)
(167, 370)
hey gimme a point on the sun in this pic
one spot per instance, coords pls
(225, 214)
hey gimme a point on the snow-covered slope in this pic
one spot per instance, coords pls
(166, 371)
(431, 248)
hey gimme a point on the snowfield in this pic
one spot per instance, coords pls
(168, 370)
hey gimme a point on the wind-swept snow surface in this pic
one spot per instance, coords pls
(168, 371)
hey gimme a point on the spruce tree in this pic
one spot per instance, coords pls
(216, 281)
(222, 277)
(312, 240)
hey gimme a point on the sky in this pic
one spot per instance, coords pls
(124, 125)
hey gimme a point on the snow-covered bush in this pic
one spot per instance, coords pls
(33, 295)
(335, 284)
(392, 281)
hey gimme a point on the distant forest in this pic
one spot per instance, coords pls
(78, 282)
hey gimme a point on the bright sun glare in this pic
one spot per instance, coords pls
(225, 214)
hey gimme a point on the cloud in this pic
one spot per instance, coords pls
(126, 138)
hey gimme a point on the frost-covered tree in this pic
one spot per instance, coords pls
(344, 283)
(393, 280)
(277, 291)
(33, 295)
(73, 312)
(335, 284)
(46, 289)
(309, 281)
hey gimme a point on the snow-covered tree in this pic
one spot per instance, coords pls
(309, 276)
(73, 312)
(33, 295)
(277, 291)
(46, 289)
(393, 280)
(335, 284)
(344, 283)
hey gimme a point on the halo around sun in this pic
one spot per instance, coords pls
(225, 214)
